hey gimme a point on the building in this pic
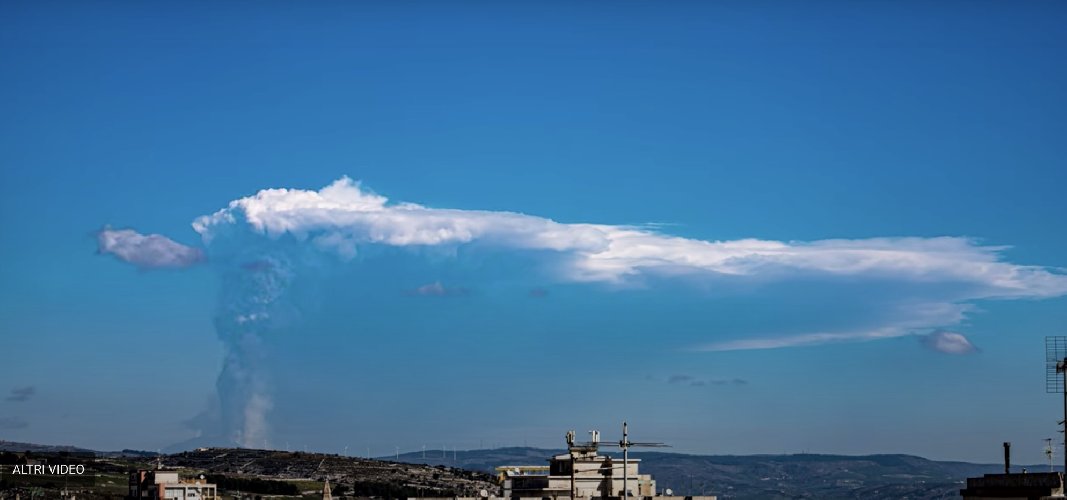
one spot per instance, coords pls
(1025, 486)
(590, 474)
(581, 473)
(166, 485)
(1032, 486)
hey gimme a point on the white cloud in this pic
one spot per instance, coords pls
(692, 381)
(146, 251)
(909, 317)
(801, 340)
(948, 342)
(344, 216)
(680, 379)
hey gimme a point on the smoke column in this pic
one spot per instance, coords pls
(252, 303)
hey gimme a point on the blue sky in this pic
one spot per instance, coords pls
(879, 125)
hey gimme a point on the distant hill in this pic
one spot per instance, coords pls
(17, 447)
(805, 476)
(271, 473)
(14, 446)
(359, 475)
(763, 476)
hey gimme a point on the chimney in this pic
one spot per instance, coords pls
(1007, 457)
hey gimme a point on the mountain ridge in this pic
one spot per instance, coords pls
(770, 476)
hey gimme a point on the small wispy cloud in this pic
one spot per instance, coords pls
(21, 394)
(699, 382)
(679, 379)
(147, 251)
(948, 342)
(732, 381)
(436, 289)
(13, 423)
(798, 340)
(908, 318)
(538, 293)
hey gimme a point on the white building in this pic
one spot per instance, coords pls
(592, 476)
(166, 485)
(581, 473)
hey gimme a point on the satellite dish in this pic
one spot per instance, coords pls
(669, 492)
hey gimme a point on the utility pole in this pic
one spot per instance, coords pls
(625, 445)
(570, 450)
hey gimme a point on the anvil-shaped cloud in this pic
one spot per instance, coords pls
(343, 216)
(261, 243)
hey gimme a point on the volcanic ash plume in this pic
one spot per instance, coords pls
(252, 304)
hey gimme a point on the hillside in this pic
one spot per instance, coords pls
(42, 448)
(276, 473)
(437, 473)
(363, 477)
(764, 476)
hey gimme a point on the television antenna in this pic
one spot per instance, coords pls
(1055, 364)
(574, 448)
(1049, 452)
(625, 444)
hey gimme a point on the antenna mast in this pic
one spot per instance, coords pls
(1049, 452)
(574, 448)
(626, 444)
(1055, 364)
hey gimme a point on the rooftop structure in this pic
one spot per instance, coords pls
(589, 474)
(166, 485)
(1022, 486)
(582, 473)
(1037, 486)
